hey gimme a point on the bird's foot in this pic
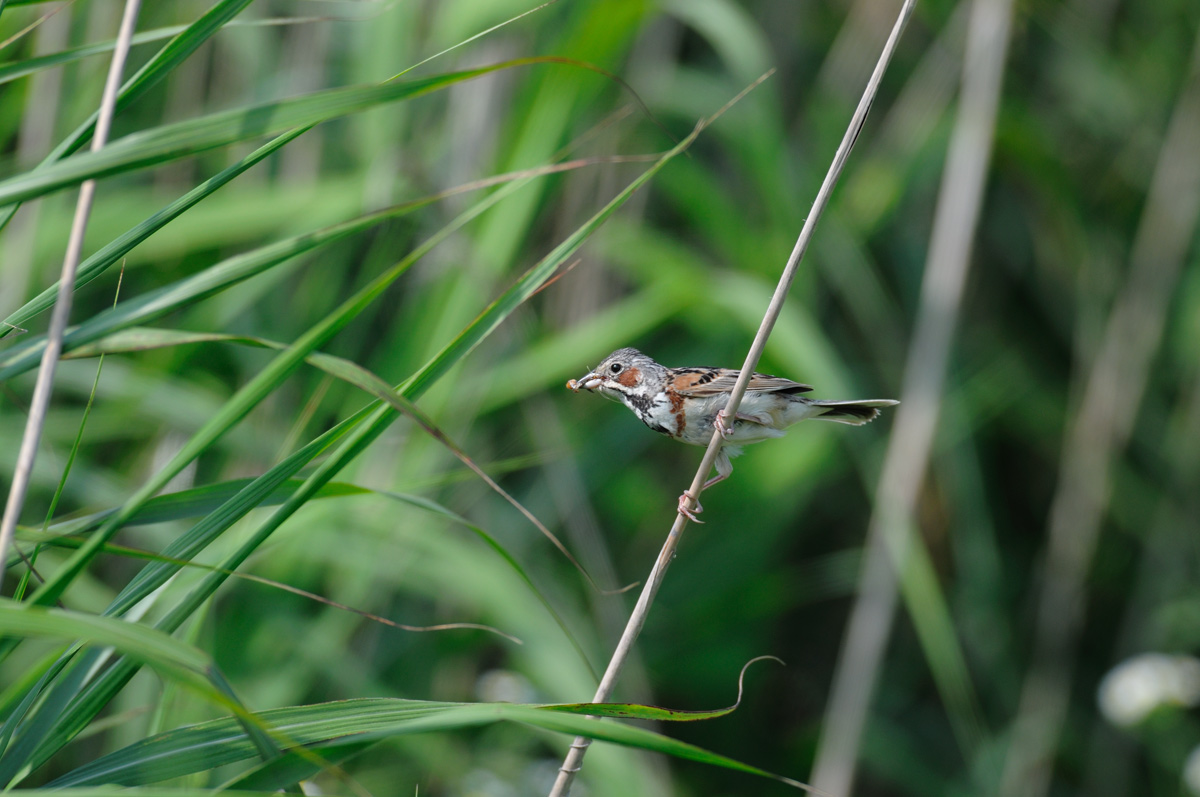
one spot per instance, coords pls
(687, 511)
(723, 425)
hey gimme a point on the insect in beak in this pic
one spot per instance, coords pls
(589, 381)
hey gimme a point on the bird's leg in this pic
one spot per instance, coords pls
(724, 468)
(720, 477)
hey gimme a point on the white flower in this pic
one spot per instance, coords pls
(1137, 686)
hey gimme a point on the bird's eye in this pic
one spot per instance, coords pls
(615, 368)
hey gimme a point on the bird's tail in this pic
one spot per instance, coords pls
(855, 413)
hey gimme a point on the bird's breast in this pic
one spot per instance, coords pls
(658, 412)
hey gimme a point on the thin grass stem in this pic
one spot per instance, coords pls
(890, 539)
(62, 308)
(1115, 383)
(574, 759)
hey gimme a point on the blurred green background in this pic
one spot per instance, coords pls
(684, 272)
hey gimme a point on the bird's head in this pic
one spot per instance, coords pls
(624, 373)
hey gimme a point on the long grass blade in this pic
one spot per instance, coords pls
(328, 726)
(44, 385)
(99, 692)
(182, 139)
(156, 69)
(339, 368)
(14, 70)
(182, 663)
(360, 436)
(230, 272)
(120, 246)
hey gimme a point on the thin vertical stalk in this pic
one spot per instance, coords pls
(574, 759)
(1115, 384)
(62, 308)
(908, 451)
(38, 121)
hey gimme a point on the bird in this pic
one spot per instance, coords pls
(687, 404)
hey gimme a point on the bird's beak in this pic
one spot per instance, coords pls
(589, 381)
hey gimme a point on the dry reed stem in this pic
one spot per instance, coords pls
(1101, 428)
(907, 456)
(39, 118)
(66, 288)
(574, 759)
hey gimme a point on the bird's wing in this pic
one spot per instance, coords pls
(701, 382)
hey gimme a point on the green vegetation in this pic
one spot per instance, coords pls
(314, 381)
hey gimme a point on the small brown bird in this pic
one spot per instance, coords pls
(688, 403)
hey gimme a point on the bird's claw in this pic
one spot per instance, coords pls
(723, 425)
(688, 512)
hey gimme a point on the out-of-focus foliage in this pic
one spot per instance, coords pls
(683, 271)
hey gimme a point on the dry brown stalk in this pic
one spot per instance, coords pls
(574, 759)
(66, 289)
